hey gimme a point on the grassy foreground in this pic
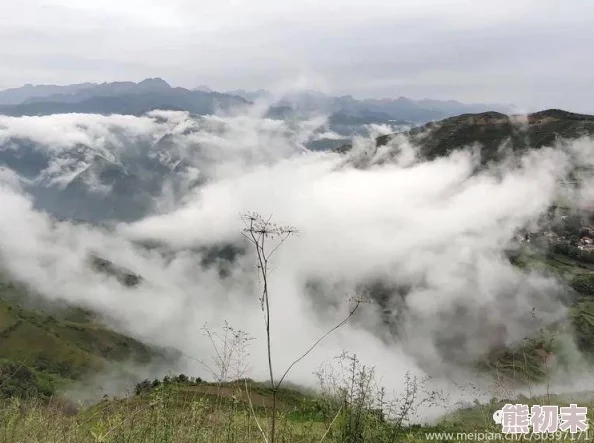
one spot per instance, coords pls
(173, 412)
(239, 413)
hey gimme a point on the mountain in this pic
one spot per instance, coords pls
(123, 98)
(114, 89)
(402, 108)
(561, 246)
(15, 96)
(347, 117)
(495, 132)
(135, 98)
(123, 188)
(492, 130)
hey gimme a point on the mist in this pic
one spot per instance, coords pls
(436, 231)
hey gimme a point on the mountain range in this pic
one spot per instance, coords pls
(157, 93)
(386, 109)
(112, 98)
(124, 185)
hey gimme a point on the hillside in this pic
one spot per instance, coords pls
(97, 180)
(58, 344)
(560, 248)
(493, 130)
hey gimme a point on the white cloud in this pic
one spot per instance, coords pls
(434, 227)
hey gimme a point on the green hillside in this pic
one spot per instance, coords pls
(57, 343)
(492, 131)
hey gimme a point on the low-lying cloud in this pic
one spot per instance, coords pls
(436, 231)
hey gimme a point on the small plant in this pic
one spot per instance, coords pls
(361, 410)
(260, 232)
(231, 352)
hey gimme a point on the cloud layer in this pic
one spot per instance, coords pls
(435, 231)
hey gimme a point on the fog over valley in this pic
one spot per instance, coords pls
(298, 222)
(424, 242)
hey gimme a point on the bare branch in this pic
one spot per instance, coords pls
(342, 323)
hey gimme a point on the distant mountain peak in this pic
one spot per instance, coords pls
(155, 82)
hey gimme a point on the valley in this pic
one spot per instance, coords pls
(52, 348)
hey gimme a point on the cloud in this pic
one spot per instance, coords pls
(67, 146)
(436, 231)
(62, 131)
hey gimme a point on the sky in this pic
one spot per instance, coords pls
(532, 53)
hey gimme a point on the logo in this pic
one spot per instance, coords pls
(521, 419)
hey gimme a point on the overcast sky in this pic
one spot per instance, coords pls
(533, 53)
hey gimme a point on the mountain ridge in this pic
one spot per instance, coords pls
(491, 130)
(87, 97)
(14, 96)
(135, 101)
